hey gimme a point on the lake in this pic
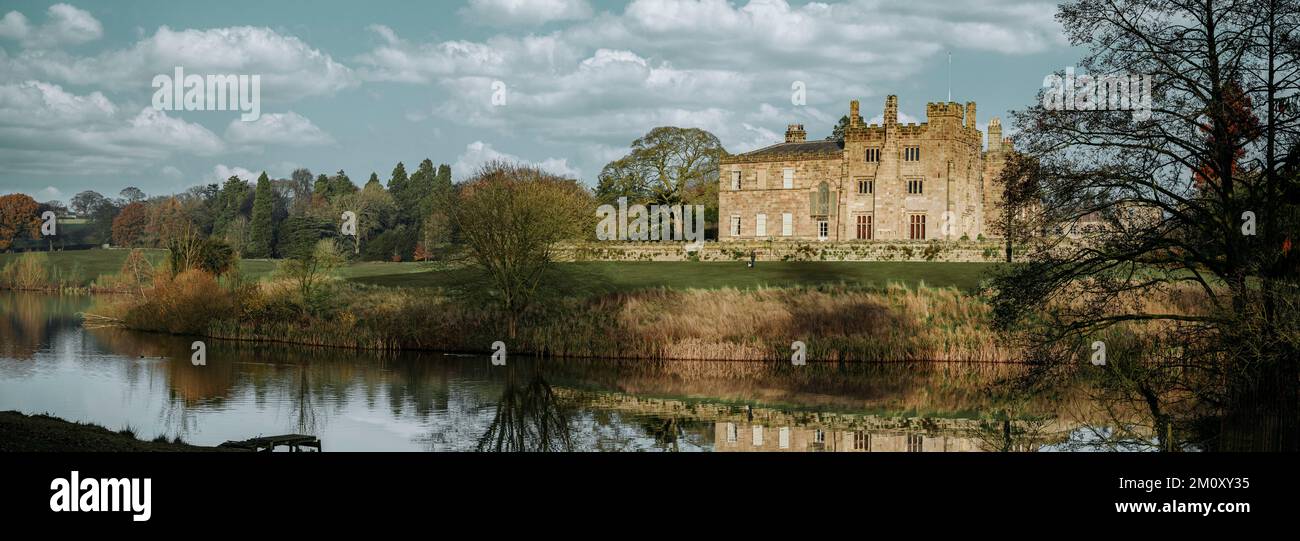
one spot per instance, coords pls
(370, 401)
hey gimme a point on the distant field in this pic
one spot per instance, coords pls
(601, 277)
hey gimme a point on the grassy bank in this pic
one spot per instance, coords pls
(88, 268)
(43, 433)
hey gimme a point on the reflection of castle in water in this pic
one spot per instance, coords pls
(756, 437)
(746, 428)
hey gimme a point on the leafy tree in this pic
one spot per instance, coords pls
(511, 217)
(310, 269)
(374, 208)
(167, 220)
(670, 161)
(302, 184)
(129, 226)
(261, 235)
(837, 133)
(85, 203)
(18, 217)
(131, 194)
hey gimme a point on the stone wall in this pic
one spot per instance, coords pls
(964, 251)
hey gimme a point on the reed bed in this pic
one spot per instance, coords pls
(836, 323)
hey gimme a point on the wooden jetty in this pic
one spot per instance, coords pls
(295, 443)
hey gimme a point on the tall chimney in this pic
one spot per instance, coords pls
(854, 118)
(794, 134)
(891, 110)
(995, 134)
(970, 115)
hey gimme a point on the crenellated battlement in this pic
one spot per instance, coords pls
(952, 109)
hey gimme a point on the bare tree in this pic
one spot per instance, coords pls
(1198, 200)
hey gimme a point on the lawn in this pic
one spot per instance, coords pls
(601, 277)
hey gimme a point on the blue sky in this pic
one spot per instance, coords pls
(359, 86)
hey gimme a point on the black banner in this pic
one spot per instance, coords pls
(233, 492)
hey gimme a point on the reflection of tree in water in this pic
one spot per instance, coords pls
(303, 405)
(528, 418)
(1009, 431)
(667, 431)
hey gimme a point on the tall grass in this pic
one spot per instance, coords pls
(837, 323)
(32, 271)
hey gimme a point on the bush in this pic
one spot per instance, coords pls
(184, 304)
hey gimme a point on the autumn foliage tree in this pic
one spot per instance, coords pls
(129, 226)
(18, 217)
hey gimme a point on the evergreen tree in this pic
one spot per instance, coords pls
(398, 182)
(230, 204)
(261, 235)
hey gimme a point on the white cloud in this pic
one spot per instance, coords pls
(525, 12)
(221, 172)
(172, 172)
(64, 25)
(34, 103)
(478, 153)
(289, 68)
(47, 130)
(289, 129)
(50, 193)
(726, 67)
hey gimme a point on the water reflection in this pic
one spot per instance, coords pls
(364, 401)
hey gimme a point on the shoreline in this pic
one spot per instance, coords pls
(26, 433)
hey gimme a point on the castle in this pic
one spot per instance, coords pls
(932, 180)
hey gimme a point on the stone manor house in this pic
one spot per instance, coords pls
(890, 182)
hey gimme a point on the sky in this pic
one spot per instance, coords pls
(359, 86)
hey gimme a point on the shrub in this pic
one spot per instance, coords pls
(184, 304)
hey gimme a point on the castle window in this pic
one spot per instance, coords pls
(866, 186)
(783, 438)
(787, 178)
(911, 154)
(916, 227)
(873, 155)
(914, 442)
(731, 432)
(819, 436)
(915, 186)
(735, 180)
(861, 441)
(823, 229)
(787, 224)
(735, 226)
(864, 226)
(758, 436)
(760, 225)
